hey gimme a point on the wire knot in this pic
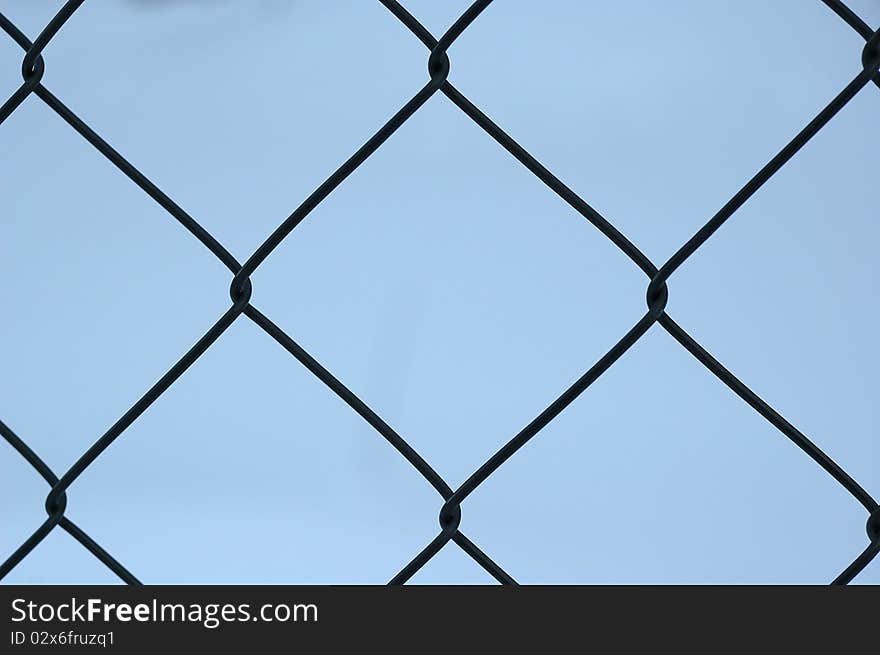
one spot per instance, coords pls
(871, 53)
(873, 526)
(450, 518)
(657, 295)
(56, 503)
(33, 67)
(438, 66)
(240, 290)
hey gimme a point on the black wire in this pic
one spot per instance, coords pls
(33, 69)
(31, 457)
(658, 286)
(241, 293)
(851, 19)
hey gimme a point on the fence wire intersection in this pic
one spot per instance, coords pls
(657, 294)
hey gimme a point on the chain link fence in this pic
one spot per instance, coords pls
(657, 294)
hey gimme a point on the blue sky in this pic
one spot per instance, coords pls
(446, 286)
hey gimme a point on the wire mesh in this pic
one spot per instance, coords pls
(33, 68)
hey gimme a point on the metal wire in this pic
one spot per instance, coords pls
(657, 295)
